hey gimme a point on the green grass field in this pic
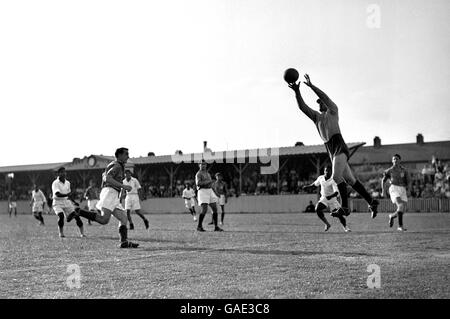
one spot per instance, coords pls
(258, 256)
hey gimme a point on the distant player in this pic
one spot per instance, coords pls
(37, 203)
(63, 203)
(400, 183)
(189, 200)
(109, 203)
(206, 196)
(92, 195)
(132, 198)
(12, 203)
(327, 123)
(220, 188)
(328, 199)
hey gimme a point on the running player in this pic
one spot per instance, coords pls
(12, 203)
(328, 199)
(189, 200)
(327, 123)
(400, 183)
(37, 204)
(132, 198)
(62, 202)
(92, 196)
(109, 203)
(220, 188)
(206, 196)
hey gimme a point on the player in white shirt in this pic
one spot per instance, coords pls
(189, 200)
(37, 204)
(132, 200)
(328, 199)
(63, 202)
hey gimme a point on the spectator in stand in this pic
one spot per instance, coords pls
(428, 191)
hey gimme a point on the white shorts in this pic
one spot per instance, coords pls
(206, 196)
(109, 199)
(64, 206)
(92, 203)
(189, 203)
(38, 207)
(397, 191)
(222, 200)
(332, 204)
(13, 205)
(132, 202)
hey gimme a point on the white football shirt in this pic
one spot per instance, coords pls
(134, 183)
(327, 187)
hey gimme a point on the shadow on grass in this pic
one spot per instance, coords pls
(261, 252)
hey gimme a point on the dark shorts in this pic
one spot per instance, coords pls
(336, 146)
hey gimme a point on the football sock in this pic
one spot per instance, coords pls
(214, 217)
(87, 214)
(222, 216)
(200, 220)
(343, 221)
(123, 232)
(342, 187)
(79, 222)
(322, 217)
(400, 219)
(359, 188)
(61, 221)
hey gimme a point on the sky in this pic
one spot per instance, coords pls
(86, 77)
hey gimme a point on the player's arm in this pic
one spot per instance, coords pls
(335, 194)
(31, 201)
(383, 182)
(110, 180)
(322, 96)
(408, 181)
(309, 112)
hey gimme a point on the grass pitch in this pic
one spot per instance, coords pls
(258, 256)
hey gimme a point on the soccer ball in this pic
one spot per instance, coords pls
(291, 75)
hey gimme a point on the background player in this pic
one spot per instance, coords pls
(37, 203)
(62, 202)
(206, 196)
(109, 203)
(132, 198)
(12, 203)
(220, 188)
(92, 194)
(328, 199)
(189, 200)
(400, 183)
(327, 123)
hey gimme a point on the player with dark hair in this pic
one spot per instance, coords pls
(328, 199)
(220, 188)
(189, 200)
(132, 198)
(327, 123)
(37, 204)
(206, 196)
(109, 203)
(63, 202)
(400, 183)
(92, 195)
(12, 203)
